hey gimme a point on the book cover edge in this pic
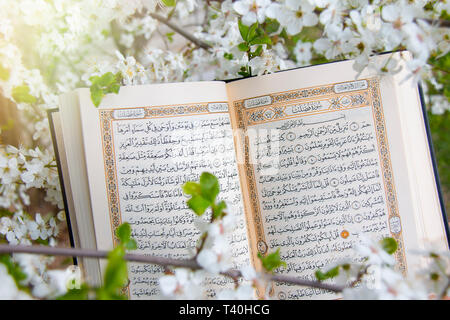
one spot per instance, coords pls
(434, 164)
(61, 179)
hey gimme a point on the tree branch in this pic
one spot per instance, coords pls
(436, 22)
(306, 283)
(359, 276)
(191, 264)
(182, 32)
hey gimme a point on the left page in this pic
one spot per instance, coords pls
(141, 146)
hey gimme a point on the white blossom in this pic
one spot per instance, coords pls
(294, 15)
(243, 292)
(439, 104)
(374, 252)
(303, 53)
(217, 258)
(339, 41)
(184, 284)
(252, 10)
(8, 287)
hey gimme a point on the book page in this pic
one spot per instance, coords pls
(76, 186)
(64, 179)
(319, 168)
(141, 146)
(431, 219)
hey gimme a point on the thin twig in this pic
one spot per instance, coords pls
(166, 45)
(306, 283)
(182, 32)
(359, 276)
(115, 32)
(443, 294)
(191, 264)
(91, 253)
(436, 22)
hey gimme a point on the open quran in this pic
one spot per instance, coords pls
(308, 160)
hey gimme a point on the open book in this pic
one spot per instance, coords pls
(308, 160)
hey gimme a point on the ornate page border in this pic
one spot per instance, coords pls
(274, 111)
(107, 117)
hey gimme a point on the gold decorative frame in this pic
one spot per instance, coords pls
(246, 117)
(106, 123)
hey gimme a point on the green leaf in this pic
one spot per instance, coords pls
(76, 294)
(106, 79)
(271, 26)
(439, 124)
(103, 294)
(252, 32)
(389, 245)
(192, 188)
(257, 52)
(320, 275)
(42, 241)
(243, 46)
(210, 186)
(203, 194)
(170, 35)
(116, 272)
(5, 212)
(169, 3)
(228, 56)
(113, 88)
(198, 204)
(308, 34)
(130, 244)
(14, 270)
(22, 94)
(243, 30)
(264, 39)
(327, 275)
(105, 33)
(218, 209)
(9, 125)
(4, 73)
(102, 85)
(271, 261)
(123, 232)
(445, 15)
(245, 71)
(96, 95)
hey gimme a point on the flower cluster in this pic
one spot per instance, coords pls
(8, 289)
(214, 256)
(214, 251)
(357, 30)
(34, 280)
(21, 170)
(376, 278)
(22, 229)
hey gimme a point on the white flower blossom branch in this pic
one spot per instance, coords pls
(191, 264)
(180, 31)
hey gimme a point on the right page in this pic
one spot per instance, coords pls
(326, 158)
